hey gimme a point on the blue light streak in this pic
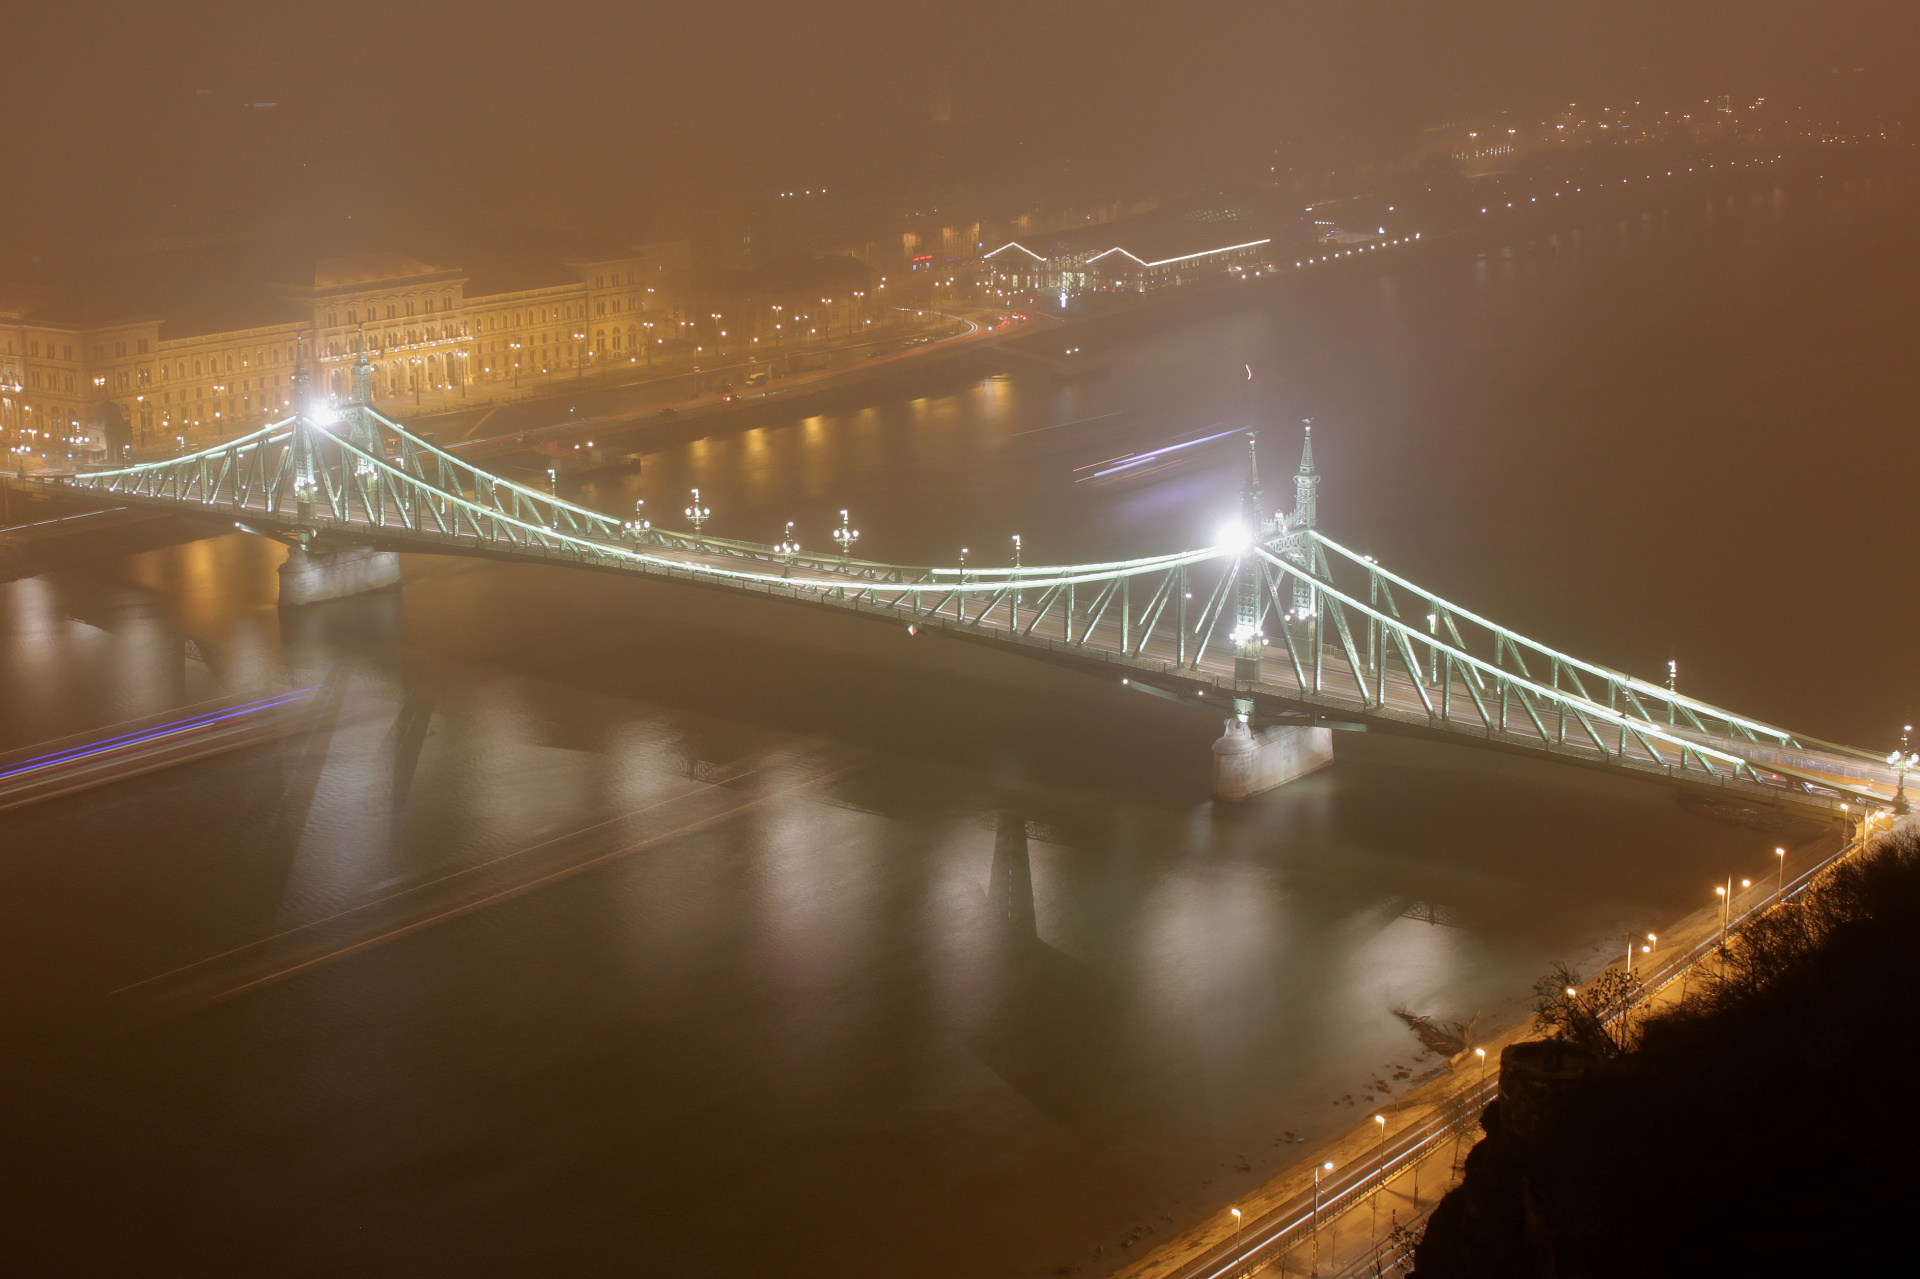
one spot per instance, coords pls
(148, 736)
(1138, 458)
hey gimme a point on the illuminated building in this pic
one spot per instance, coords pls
(85, 374)
(1162, 249)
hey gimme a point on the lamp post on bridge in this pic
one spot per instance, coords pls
(788, 548)
(697, 516)
(1014, 611)
(846, 535)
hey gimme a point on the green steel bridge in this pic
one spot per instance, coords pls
(1278, 624)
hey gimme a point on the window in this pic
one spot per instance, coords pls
(600, 307)
(34, 349)
(409, 308)
(120, 379)
(196, 368)
(446, 302)
(166, 371)
(332, 319)
(616, 306)
(353, 316)
(66, 353)
(120, 350)
(389, 310)
(229, 364)
(99, 351)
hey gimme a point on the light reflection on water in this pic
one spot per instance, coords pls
(678, 926)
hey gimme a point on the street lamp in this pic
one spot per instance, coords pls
(1903, 761)
(1013, 612)
(1317, 1170)
(788, 548)
(1781, 853)
(1236, 1220)
(638, 525)
(697, 516)
(846, 535)
(1380, 1157)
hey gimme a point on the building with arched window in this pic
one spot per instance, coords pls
(162, 357)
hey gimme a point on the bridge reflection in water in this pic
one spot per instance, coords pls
(1276, 625)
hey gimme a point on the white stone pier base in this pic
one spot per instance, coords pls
(310, 578)
(1246, 763)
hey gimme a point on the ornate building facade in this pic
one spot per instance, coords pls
(72, 384)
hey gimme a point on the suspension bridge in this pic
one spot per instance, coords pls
(1287, 633)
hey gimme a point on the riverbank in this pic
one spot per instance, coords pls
(1391, 1171)
(674, 404)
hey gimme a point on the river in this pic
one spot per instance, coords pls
(609, 927)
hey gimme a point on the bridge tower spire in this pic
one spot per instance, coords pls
(1306, 514)
(362, 372)
(1306, 484)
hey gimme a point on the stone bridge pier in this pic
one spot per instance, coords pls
(1249, 761)
(313, 577)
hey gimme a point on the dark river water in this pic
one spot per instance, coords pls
(615, 928)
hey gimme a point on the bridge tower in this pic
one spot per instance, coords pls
(1250, 760)
(316, 571)
(1248, 641)
(365, 434)
(362, 373)
(305, 483)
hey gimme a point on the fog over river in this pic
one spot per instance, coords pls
(616, 927)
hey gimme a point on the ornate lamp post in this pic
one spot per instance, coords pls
(638, 525)
(788, 548)
(1903, 761)
(1014, 614)
(697, 516)
(846, 535)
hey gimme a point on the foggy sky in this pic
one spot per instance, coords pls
(132, 119)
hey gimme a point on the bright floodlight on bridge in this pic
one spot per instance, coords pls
(323, 415)
(1234, 537)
